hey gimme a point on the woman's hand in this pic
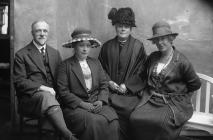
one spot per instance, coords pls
(97, 106)
(122, 88)
(113, 86)
(87, 106)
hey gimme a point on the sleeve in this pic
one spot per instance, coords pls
(59, 57)
(142, 58)
(103, 86)
(23, 85)
(59, 60)
(137, 82)
(66, 97)
(189, 75)
(103, 58)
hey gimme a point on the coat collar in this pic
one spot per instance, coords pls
(170, 66)
(35, 56)
(76, 68)
(125, 55)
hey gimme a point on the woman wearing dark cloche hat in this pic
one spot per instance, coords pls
(83, 91)
(166, 99)
(123, 57)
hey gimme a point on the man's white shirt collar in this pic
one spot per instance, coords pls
(39, 47)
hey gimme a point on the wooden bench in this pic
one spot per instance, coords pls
(202, 120)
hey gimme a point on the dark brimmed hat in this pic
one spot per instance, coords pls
(81, 34)
(161, 28)
(124, 16)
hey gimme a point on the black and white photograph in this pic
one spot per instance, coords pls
(106, 70)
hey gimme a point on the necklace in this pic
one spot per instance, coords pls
(162, 59)
(160, 66)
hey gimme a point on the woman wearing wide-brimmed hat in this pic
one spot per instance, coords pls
(83, 91)
(122, 57)
(166, 99)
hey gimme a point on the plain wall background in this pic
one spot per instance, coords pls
(192, 19)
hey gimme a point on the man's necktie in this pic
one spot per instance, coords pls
(43, 52)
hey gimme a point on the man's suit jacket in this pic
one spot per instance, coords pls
(29, 69)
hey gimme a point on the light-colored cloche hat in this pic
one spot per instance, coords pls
(161, 28)
(81, 34)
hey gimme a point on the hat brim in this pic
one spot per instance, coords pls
(156, 36)
(94, 42)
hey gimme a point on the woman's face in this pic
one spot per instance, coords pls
(82, 49)
(123, 31)
(163, 43)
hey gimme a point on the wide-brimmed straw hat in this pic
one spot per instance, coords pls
(160, 29)
(81, 34)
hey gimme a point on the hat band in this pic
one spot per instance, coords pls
(82, 36)
(161, 31)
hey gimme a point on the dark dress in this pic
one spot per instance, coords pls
(166, 99)
(72, 90)
(120, 64)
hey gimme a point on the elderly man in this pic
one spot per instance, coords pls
(34, 76)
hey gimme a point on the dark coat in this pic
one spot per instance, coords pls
(72, 88)
(121, 65)
(134, 58)
(29, 69)
(179, 80)
(166, 99)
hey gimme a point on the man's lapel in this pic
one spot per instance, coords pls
(51, 58)
(36, 57)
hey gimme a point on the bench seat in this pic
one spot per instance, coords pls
(201, 121)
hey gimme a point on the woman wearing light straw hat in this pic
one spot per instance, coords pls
(83, 91)
(166, 99)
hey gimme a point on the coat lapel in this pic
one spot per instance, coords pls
(36, 58)
(126, 55)
(171, 65)
(94, 71)
(76, 68)
(113, 60)
(51, 58)
(153, 62)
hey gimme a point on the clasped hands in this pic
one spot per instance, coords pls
(114, 86)
(92, 107)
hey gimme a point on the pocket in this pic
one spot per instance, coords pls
(182, 114)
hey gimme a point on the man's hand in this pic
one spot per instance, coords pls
(47, 89)
(87, 106)
(97, 106)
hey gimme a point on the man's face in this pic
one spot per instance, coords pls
(40, 33)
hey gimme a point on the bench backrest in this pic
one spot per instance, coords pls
(207, 82)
